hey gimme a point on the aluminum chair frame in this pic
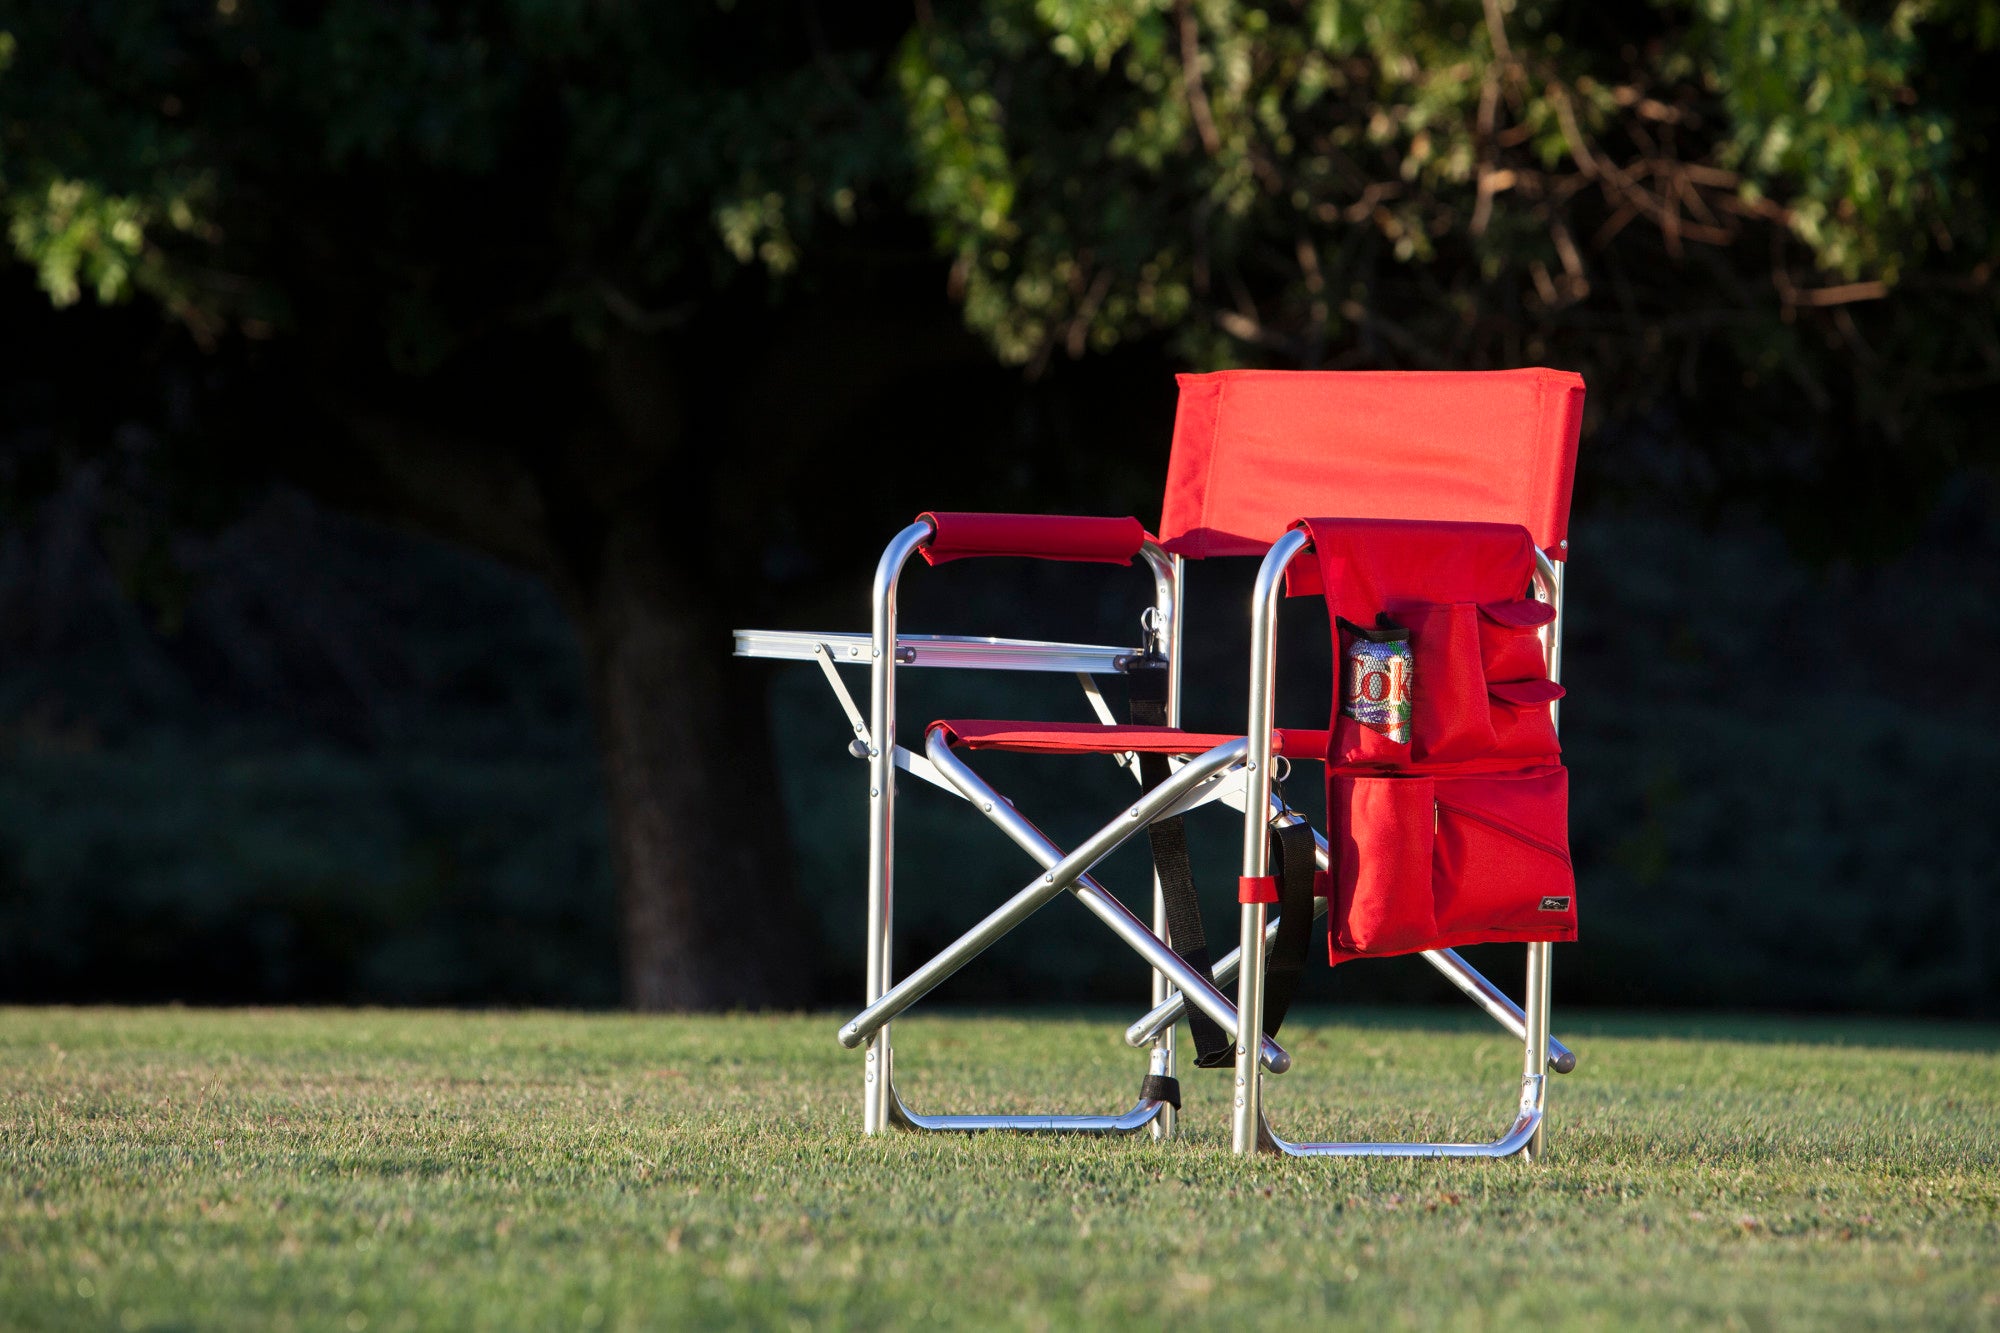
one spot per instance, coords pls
(1219, 775)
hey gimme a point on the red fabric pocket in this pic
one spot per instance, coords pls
(1516, 671)
(1382, 829)
(1351, 742)
(1449, 715)
(1509, 645)
(1434, 863)
(1501, 858)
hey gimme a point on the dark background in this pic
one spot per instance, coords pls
(296, 707)
(331, 761)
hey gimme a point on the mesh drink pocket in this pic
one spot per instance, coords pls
(1501, 857)
(1382, 837)
(1372, 688)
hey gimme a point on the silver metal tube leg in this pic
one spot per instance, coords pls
(1540, 956)
(1248, 1119)
(1162, 1061)
(1165, 1060)
(1248, 1110)
(1534, 1070)
(876, 1097)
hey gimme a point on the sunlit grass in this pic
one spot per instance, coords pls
(386, 1170)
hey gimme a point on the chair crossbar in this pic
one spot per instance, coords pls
(920, 766)
(1515, 1141)
(1066, 873)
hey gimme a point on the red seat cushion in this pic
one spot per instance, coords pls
(1095, 738)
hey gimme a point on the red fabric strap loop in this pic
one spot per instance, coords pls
(1105, 541)
(1256, 888)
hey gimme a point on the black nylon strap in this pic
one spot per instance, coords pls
(1148, 693)
(1160, 1088)
(1292, 863)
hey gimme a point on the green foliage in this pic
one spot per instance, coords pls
(602, 162)
(382, 1171)
(1823, 115)
(1466, 184)
(1736, 205)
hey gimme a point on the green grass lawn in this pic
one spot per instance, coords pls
(389, 1170)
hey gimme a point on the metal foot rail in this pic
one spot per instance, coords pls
(1141, 1115)
(1516, 1140)
(1522, 1138)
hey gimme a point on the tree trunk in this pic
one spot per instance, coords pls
(710, 919)
(628, 506)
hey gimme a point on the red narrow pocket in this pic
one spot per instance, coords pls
(1510, 645)
(1516, 670)
(1501, 858)
(1449, 715)
(1523, 727)
(1382, 829)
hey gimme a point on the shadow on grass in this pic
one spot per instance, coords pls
(1579, 1024)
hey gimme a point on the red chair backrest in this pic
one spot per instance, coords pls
(1256, 449)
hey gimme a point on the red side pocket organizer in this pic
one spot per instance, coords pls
(1382, 828)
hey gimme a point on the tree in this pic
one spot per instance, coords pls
(522, 275)
(557, 278)
(1772, 222)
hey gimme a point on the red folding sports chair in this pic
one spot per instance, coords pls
(1454, 494)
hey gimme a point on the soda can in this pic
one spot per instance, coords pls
(1377, 678)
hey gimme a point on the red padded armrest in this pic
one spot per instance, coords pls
(1107, 541)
